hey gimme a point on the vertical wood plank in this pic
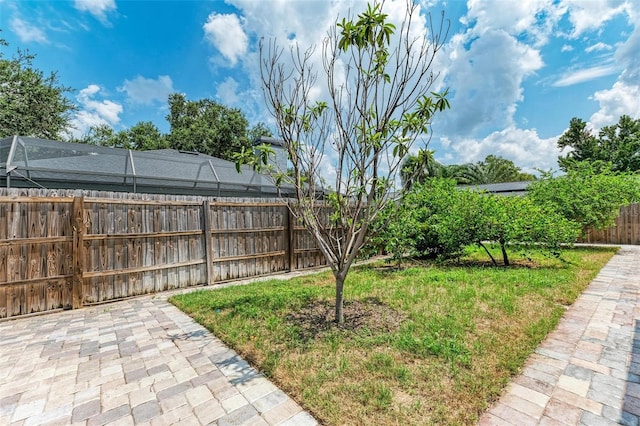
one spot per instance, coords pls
(4, 270)
(183, 247)
(137, 259)
(4, 220)
(290, 235)
(15, 301)
(215, 242)
(224, 243)
(42, 219)
(93, 254)
(78, 251)
(194, 244)
(119, 251)
(172, 248)
(156, 226)
(53, 299)
(234, 236)
(3, 301)
(206, 214)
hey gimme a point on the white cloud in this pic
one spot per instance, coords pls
(628, 55)
(522, 146)
(227, 92)
(592, 15)
(487, 79)
(94, 112)
(533, 18)
(587, 74)
(598, 46)
(225, 33)
(303, 21)
(106, 109)
(146, 91)
(621, 99)
(98, 8)
(26, 32)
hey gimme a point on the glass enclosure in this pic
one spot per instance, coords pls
(33, 162)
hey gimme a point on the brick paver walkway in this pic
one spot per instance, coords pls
(587, 371)
(140, 361)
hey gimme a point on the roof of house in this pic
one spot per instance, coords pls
(506, 188)
(27, 161)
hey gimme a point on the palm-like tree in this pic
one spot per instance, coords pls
(492, 170)
(420, 167)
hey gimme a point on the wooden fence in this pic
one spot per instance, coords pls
(65, 252)
(626, 229)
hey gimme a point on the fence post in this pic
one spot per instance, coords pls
(78, 253)
(206, 206)
(291, 247)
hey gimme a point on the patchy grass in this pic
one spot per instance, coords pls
(428, 344)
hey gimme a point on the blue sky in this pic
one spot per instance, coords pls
(518, 71)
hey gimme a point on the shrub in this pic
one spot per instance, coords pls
(438, 219)
(589, 194)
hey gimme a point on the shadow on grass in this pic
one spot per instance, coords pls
(519, 259)
(384, 270)
(316, 319)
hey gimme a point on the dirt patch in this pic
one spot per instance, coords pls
(317, 318)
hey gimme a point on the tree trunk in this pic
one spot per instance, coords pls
(505, 257)
(489, 253)
(339, 297)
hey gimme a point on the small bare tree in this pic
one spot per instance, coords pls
(379, 103)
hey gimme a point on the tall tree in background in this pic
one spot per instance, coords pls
(145, 136)
(31, 103)
(618, 144)
(206, 126)
(101, 135)
(379, 102)
(141, 137)
(420, 167)
(259, 130)
(493, 169)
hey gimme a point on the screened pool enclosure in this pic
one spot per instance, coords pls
(27, 162)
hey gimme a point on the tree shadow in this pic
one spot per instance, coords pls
(316, 319)
(191, 335)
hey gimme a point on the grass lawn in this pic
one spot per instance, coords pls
(428, 344)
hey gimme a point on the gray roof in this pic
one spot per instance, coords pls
(26, 161)
(506, 188)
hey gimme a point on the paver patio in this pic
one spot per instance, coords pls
(587, 371)
(142, 361)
